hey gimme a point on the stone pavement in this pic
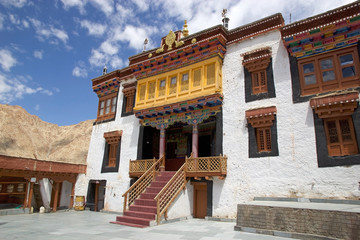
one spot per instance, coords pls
(86, 225)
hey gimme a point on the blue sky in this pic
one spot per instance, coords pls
(50, 50)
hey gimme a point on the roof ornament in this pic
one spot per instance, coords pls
(146, 41)
(185, 30)
(225, 19)
(104, 70)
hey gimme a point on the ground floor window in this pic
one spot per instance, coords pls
(111, 160)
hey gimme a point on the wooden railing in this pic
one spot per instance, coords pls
(138, 167)
(206, 166)
(142, 183)
(169, 192)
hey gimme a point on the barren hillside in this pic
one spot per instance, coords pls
(26, 135)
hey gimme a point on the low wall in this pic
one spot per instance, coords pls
(306, 222)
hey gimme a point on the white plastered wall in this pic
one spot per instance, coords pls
(116, 182)
(294, 173)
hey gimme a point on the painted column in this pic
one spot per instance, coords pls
(162, 141)
(71, 205)
(56, 196)
(30, 194)
(195, 140)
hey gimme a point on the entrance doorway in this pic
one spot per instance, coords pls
(200, 199)
(96, 195)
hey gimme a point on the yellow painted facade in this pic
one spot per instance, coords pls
(196, 80)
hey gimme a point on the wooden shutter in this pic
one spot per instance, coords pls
(263, 136)
(340, 136)
(112, 155)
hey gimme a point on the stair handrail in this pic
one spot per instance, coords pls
(169, 192)
(142, 183)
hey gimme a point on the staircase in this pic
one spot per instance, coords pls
(144, 209)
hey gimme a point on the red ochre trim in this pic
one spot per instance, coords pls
(28, 164)
(259, 112)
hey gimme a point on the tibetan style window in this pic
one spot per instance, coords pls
(259, 82)
(262, 132)
(129, 99)
(332, 71)
(112, 151)
(107, 107)
(337, 128)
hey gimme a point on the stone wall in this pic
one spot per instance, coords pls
(269, 219)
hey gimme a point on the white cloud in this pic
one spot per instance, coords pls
(109, 48)
(94, 29)
(79, 72)
(106, 6)
(13, 88)
(134, 35)
(80, 4)
(13, 3)
(37, 107)
(116, 62)
(143, 5)
(7, 61)
(49, 32)
(38, 54)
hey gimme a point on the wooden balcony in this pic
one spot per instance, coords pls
(194, 167)
(139, 167)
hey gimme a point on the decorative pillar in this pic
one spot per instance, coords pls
(30, 194)
(97, 183)
(195, 140)
(162, 147)
(56, 196)
(26, 194)
(162, 142)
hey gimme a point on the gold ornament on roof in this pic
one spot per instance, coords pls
(170, 39)
(193, 40)
(161, 49)
(185, 29)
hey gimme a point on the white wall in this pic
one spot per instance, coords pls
(116, 183)
(294, 173)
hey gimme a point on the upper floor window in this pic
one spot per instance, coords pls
(112, 151)
(259, 81)
(262, 132)
(129, 90)
(107, 107)
(327, 72)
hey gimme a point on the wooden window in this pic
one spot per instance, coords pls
(259, 82)
(129, 104)
(210, 74)
(173, 85)
(151, 90)
(129, 90)
(332, 71)
(340, 136)
(197, 78)
(263, 137)
(112, 155)
(162, 87)
(185, 82)
(142, 92)
(107, 107)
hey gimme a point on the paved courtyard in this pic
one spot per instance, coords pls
(95, 225)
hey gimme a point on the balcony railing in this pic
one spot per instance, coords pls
(138, 167)
(206, 166)
(194, 167)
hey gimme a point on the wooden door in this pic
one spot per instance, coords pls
(200, 200)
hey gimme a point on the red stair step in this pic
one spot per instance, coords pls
(146, 195)
(133, 220)
(129, 224)
(153, 190)
(158, 184)
(145, 202)
(144, 215)
(139, 208)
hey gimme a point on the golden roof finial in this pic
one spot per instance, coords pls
(185, 29)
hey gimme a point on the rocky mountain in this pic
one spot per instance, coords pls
(26, 135)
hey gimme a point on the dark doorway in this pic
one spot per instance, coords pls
(150, 143)
(205, 146)
(96, 195)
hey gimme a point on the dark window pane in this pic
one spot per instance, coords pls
(345, 130)
(333, 136)
(328, 76)
(348, 72)
(310, 79)
(308, 68)
(326, 64)
(346, 59)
